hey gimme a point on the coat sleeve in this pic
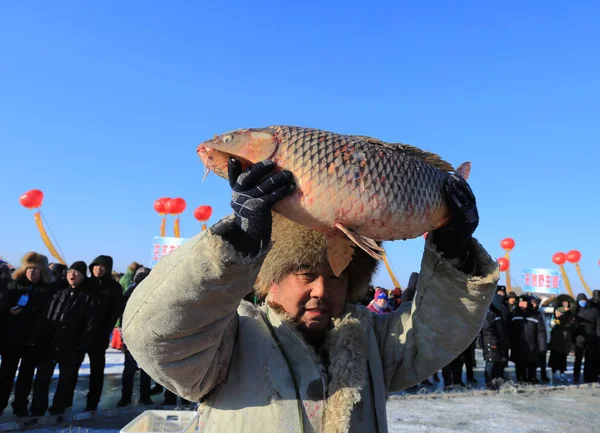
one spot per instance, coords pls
(447, 313)
(180, 323)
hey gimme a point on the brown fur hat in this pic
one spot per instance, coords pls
(33, 260)
(297, 247)
(134, 266)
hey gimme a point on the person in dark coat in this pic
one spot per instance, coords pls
(561, 340)
(535, 305)
(527, 333)
(63, 338)
(106, 294)
(22, 304)
(495, 342)
(587, 337)
(130, 365)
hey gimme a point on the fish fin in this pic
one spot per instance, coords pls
(464, 170)
(365, 243)
(339, 253)
(428, 157)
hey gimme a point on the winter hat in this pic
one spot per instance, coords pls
(297, 247)
(512, 295)
(501, 288)
(581, 297)
(79, 266)
(33, 260)
(382, 295)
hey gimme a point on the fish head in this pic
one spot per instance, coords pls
(249, 146)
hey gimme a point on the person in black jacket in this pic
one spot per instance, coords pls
(22, 304)
(561, 340)
(64, 335)
(495, 342)
(586, 339)
(527, 333)
(106, 295)
(535, 305)
(130, 365)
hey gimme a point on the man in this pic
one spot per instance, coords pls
(64, 336)
(527, 339)
(495, 341)
(107, 296)
(587, 336)
(310, 359)
(22, 305)
(535, 303)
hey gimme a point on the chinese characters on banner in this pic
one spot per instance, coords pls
(163, 246)
(539, 280)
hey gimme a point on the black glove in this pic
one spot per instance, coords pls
(254, 193)
(454, 239)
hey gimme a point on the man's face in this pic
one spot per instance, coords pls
(523, 305)
(99, 271)
(312, 299)
(33, 274)
(512, 301)
(74, 277)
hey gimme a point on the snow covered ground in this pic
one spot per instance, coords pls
(572, 409)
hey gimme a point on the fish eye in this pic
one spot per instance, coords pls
(227, 138)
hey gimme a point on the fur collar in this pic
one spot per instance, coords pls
(346, 349)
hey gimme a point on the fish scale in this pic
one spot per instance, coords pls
(351, 188)
(418, 191)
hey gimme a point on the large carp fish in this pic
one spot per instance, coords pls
(355, 190)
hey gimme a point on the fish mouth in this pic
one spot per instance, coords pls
(217, 161)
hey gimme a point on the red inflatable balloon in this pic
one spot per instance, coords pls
(159, 205)
(507, 244)
(203, 213)
(32, 199)
(573, 256)
(504, 264)
(175, 206)
(559, 258)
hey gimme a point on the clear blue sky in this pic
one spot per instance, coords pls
(104, 103)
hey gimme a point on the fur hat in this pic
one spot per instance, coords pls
(134, 266)
(297, 247)
(33, 260)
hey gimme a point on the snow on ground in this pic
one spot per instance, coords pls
(572, 409)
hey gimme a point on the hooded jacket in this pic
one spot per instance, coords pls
(106, 295)
(588, 324)
(254, 372)
(561, 335)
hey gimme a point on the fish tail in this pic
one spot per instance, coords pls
(464, 170)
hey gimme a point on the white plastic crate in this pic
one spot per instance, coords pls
(163, 421)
